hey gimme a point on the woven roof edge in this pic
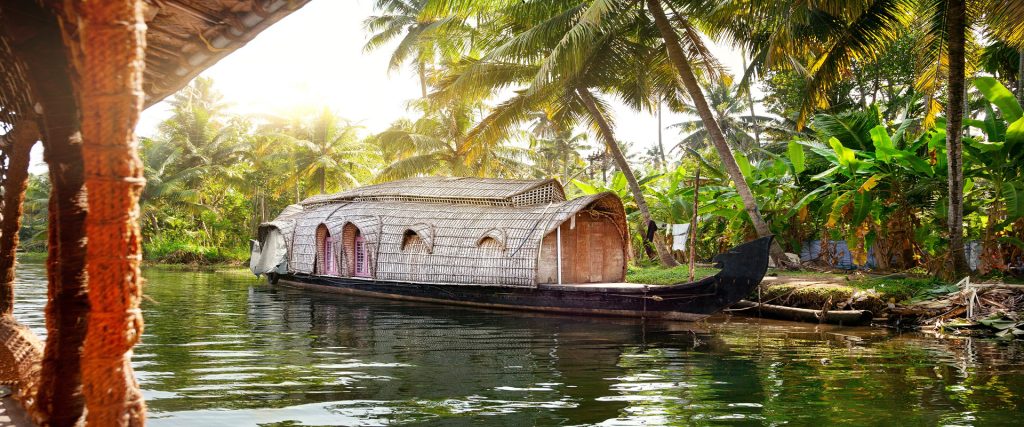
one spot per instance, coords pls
(253, 23)
(365, 192)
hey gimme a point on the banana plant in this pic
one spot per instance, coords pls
(996, 157)
(869, 177)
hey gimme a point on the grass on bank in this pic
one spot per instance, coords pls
(812, 289)
(864, 293)
(664, 276)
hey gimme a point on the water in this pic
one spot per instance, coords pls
(226, 349)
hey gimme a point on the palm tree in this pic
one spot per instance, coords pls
(197, 131)
(681, 61)
(556, 151)
(168, 183)
(437, 143)
(729, 109)
(423, 40)
(328, 151)
(859, 30)
(564, 56)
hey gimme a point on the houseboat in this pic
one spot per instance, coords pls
(495, 243)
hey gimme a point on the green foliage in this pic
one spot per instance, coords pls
(212, 177)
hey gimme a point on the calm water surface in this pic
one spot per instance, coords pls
(227, 349)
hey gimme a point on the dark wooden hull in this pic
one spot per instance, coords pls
(743, 267)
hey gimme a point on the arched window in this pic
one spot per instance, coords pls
(421, 235)
(492, 240)
(357, 257)
(326, 252)
(412, 242)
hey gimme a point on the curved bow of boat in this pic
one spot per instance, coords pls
(742, 269)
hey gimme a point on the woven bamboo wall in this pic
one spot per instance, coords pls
(448, 247)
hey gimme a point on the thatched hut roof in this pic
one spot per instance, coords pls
(479, 191)
(452, 216)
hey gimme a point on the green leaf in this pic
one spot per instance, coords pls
(1014, 195)
(585, 188)
(884, 147)
(836, 214)
(847, 157)
(827, 173)
(744, 165)
(643, 181)
(808, 198)
(619, 182)
(820, 150)
(916, 163)
(862, 203)
(997, 94)
(1015, 133)
(796, 157)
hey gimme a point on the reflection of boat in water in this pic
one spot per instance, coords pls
(487, 243)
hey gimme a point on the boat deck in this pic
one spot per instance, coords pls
(597, 287)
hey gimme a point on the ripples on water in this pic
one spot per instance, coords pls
(226, 349)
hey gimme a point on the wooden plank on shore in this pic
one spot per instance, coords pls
(836, 317)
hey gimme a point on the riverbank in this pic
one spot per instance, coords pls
(896, 300)
(231, 265)
(985, 308)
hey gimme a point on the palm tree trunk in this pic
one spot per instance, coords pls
(661, 145)
(678, 58)
(956, 22)
(21, 139)
(1020, 76)
(421, 70)
(620, 162)
(750, 100)
(323, 181)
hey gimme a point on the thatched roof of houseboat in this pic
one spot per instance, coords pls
(517, 217)
(483, 191)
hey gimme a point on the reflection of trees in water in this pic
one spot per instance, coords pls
(219, 342)
(530, 368)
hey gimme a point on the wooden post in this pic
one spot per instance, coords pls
(693, 223)
(59, 399)
(109, 58)
(19, 144)
(558, 251)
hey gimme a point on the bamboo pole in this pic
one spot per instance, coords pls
(693, 223)
(558, 249)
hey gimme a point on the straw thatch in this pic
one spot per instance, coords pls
(478, 191)
(184, 37)
(443, 230)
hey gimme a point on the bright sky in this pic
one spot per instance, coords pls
(315, 57)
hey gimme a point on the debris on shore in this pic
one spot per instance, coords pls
(972, 309)
(964, 308)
